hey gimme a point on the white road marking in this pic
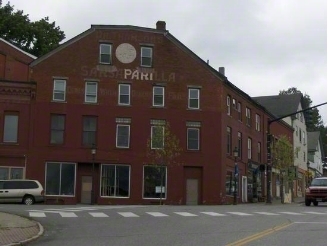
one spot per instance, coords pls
(265, 213)
(98, 215)
(239, 213)
(157, 214)
(213, 214)
(309, 222)
(291, 213)
(67, 215)
(37, 214)
(128, 214)
(186, 214)
(314, 213)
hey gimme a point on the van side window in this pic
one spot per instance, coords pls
(29, 185)
(10, 185)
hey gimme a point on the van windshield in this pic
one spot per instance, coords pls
(319, 182)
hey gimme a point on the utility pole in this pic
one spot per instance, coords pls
(269, 164)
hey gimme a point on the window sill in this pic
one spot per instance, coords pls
(162, 107)
(194, 109)
(124, 105)
(55, 101)
(90, 103)
(9, 144)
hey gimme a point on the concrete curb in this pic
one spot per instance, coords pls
(23, 242)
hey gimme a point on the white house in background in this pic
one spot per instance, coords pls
(315, 154)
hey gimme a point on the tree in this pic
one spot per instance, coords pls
(37, 38)
(163, 147)
(316, 123)
(283, 159)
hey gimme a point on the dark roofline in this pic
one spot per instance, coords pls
(18, 82)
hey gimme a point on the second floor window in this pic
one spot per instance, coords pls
(248, 117)
(59, 92)
(10, 130)
(91, 89)
(146, 56)
(257, 123)
(89, 130)
(249, 148)
(57, 129)
(193, 138)
(158, 96)
(228, 140)
(124, 94)
(105, 56)
(122, 136)
(157, 137)
(193, 98)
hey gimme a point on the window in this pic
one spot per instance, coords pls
(91, 89)
(248, 117)
(157, 137)
(228, 105)
(301, 117)
(193, 98)
(115, 180)
(89, 130)
(124, 94)
(122, 136)
(11, 173)
(10, 131)
(60, 179)
(249, 148)
(105, 53)
(239, 111)
(229, 140)
(303, 137)
(296, 130)
(300, 135)
(230, 184)
(259, 152)
(257, 122)
(59, 93)
(304, 156)
(193, 138)
(240, 144)
(234, 105)
(57, 129)
(146, 56)
(158, 96)
(154, 176)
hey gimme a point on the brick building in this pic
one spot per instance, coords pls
(100, 96)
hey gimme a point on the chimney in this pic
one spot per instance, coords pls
(161, 25)
(221, 70)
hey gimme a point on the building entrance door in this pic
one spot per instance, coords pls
(86, 187)
(192, 192)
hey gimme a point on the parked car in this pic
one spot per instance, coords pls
(21, 191)
(316, 192)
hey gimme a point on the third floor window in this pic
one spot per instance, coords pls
(146, 56)
(124, 94)
(91, 89)
(59, 92)
(193, 98)
(105, 55)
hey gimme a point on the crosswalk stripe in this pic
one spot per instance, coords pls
(98, 214)
(239, 213)
(314, 212)
(128, 214)
(186, 214)
(291, 213)
(37, 214)
(67, 215)
(213, 214)
(157, 214)
(265, 213)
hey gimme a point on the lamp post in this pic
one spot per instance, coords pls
(282, 190)
(93, 153)
(235, 154)
(308, 173)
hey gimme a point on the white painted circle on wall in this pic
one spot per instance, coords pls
(126, 53)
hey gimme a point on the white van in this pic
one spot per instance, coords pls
(21, 191)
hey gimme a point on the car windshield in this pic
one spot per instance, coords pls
(319, 182)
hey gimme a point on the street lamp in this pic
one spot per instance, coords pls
(93, 153)
(235, 154)
(308, 173)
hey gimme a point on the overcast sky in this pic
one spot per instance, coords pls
(265, 45)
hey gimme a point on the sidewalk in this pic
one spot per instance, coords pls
(17, 230)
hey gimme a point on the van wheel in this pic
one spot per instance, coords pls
(28, 200)
(315, 203)
(307, 202)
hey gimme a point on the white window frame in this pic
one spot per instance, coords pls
(196, 98)
(198, 131)
(101, 53)
(249, 148)
(162, 95)
(239, 111)
(120, 94)
(257, 122)
(303, 137)
(143, 56)
(93, 95)
(10, 171)
(228, 105)
(56, 91)
(248, 116)
(163, 130)
(117, 135)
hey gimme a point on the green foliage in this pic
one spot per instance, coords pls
(282, 153)
(37, 38)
